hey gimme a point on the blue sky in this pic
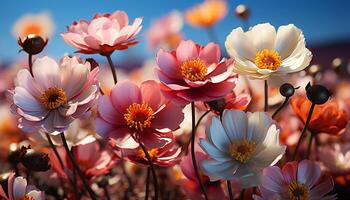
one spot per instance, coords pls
(321, 21)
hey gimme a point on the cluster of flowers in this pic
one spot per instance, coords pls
(87, 132)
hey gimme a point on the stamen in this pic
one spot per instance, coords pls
(194, 70)
(242, 150)
(268, 59)
(138, 116)
(53, 98)
(298, 191)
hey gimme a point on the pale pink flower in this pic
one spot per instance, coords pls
(194, 73)
(190, 185)
(18, 189)
(92, 160)
(103, 34)
(142, 111)
(295, 181)
(56, 95)
(335, 158)
(165, 32)
(163, 151)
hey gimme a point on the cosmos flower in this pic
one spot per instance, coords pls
(335, 158)
(327, 118)
(162, 151)
(189, 184)
(39, 24)
(261, 52)
(295, 181)
(142, 111)
(241, 146)
(58, 94)
(166, 31)
(207, 13)
(92, 160)
(103, 34)
(194, 73)
(19, 190)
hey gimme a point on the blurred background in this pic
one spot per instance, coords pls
(325, 23)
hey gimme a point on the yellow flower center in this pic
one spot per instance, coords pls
(152, 153)
(26, 197)
(242, 150)
(139, 116)
(298, 191)
(53, 98)
(194, 70)
(268, 59)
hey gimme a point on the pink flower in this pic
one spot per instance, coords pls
(103, 34)
(194, 73)
(56, 95)
(142, 111)
(91, 159)
(19, 190)
(162, 151)
(166, 31)
(295, 181)
(190, 185)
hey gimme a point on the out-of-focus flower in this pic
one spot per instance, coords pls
(37, 24)
(103, 34)
(36, 161)
(165, 32)
(290, 126)
(190, 185)
(241, 146)
(194, 73)
(335, 158)
(75, 135)
(261, 52)
(295, 181)
(207, 13)
(142, 111)
(91, 159)
(19, 190)
(327, 118)
(162, 151)
(56, 95)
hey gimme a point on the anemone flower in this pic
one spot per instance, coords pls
(103, 34)
(206, 14)
(190, 185)
(335, 158)
(240, 146)
(194, 73)
(142, 111)
(92, 160)
(326, 118)
(163, 151)
(262, 52)
(166, 31)
(18, 189)
(56, 95)
(295, 181)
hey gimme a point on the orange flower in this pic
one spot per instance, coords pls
(207, 13)
(327, 118)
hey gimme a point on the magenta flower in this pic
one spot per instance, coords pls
(56, 95)
(194, 73)
(91, 159)
(295, 181)
(163, 151)
(103, 34)
(190, 185)
(18, 189)
(142, 111)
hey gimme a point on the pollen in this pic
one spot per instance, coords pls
(268, 59)
(152, 153)
(194, 69)
(26, 197)
(139, 116)
(53, 98)
(242, 150)
(298, 191)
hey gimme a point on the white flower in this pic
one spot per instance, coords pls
(241, 146)
(38, 24)
(261, 52)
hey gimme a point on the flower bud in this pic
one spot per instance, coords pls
(317, 94)
(242, 12)
(287, 90)
(33, 44)
(217, 105)
(36, 161)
